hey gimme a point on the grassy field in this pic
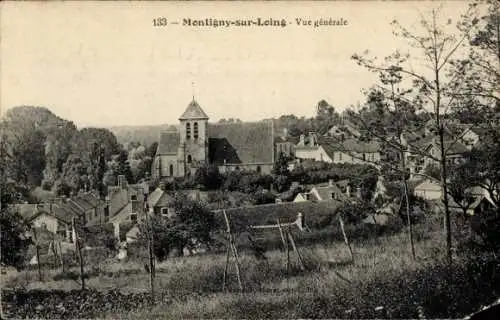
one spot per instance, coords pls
(382, 282)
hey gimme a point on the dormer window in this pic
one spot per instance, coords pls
(188, 131)
(195, 130)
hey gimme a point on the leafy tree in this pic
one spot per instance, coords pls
(281, 165)
(123, 166)
(192, 223)
(14, 242)
(209, 176)
(74, 174)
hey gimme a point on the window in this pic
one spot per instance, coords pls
(188, 131)
(164, 211)
(195, 130)
(106, 212)
(133, 217)
(189, 159)
(133, 197)
(259, 169)
(364, 156)
(340, 156)
(171, 169)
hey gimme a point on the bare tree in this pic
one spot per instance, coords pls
(434, 84)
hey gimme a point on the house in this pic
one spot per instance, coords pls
(333, 150)
(285, 144)
(481, 204)
(428, 189)
(424, 150)
(229, 146)
(126, 203)
(51, 217)
(344, 130)
(473, 135)
(321, 193)
(160, 202)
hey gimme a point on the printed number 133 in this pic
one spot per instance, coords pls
(159, 22)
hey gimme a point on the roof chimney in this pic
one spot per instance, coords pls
(312, 139)
(358, 192)
(302, 138)
(285, 133)
(330, 182)
(348, 191)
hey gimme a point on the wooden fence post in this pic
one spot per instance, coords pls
(299, 257)
(232, 247)
(346, 240)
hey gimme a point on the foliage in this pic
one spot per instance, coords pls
(122, 167)
(263, 197)
(209, 177)
(191, 224)
(14, 241)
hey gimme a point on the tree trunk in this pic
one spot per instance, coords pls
(408, 209)
(444, 187)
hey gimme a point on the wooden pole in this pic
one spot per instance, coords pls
(235, 252)
(80, 256)
(37, 248)
(346, 240)
(232, 247)
(226, 267)
(299, 257)
(281, 234)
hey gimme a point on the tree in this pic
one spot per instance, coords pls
(191, 225)
(326, 117)
(14, 241)
(208, 176)
(123, 166)
(74, 174)
(481, 83)
(436, 88)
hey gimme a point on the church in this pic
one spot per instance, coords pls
(195, 142)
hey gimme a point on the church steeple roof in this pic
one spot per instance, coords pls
(194, 111)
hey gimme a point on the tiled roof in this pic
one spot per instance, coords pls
(26, 211)
(169, 142)
(240, 143)
(159, 198)
(331, 145)
(193, 111)
(64, 213)
(326, 192)
(455, 147)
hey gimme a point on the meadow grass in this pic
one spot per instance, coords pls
(383, 281)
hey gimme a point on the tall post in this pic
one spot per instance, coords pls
(37, 248)
(80, 256)
(232, 247)
(346, 240)
(299, 257)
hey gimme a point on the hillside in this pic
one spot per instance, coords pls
(145, 135)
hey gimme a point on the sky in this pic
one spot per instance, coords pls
(106, 64)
